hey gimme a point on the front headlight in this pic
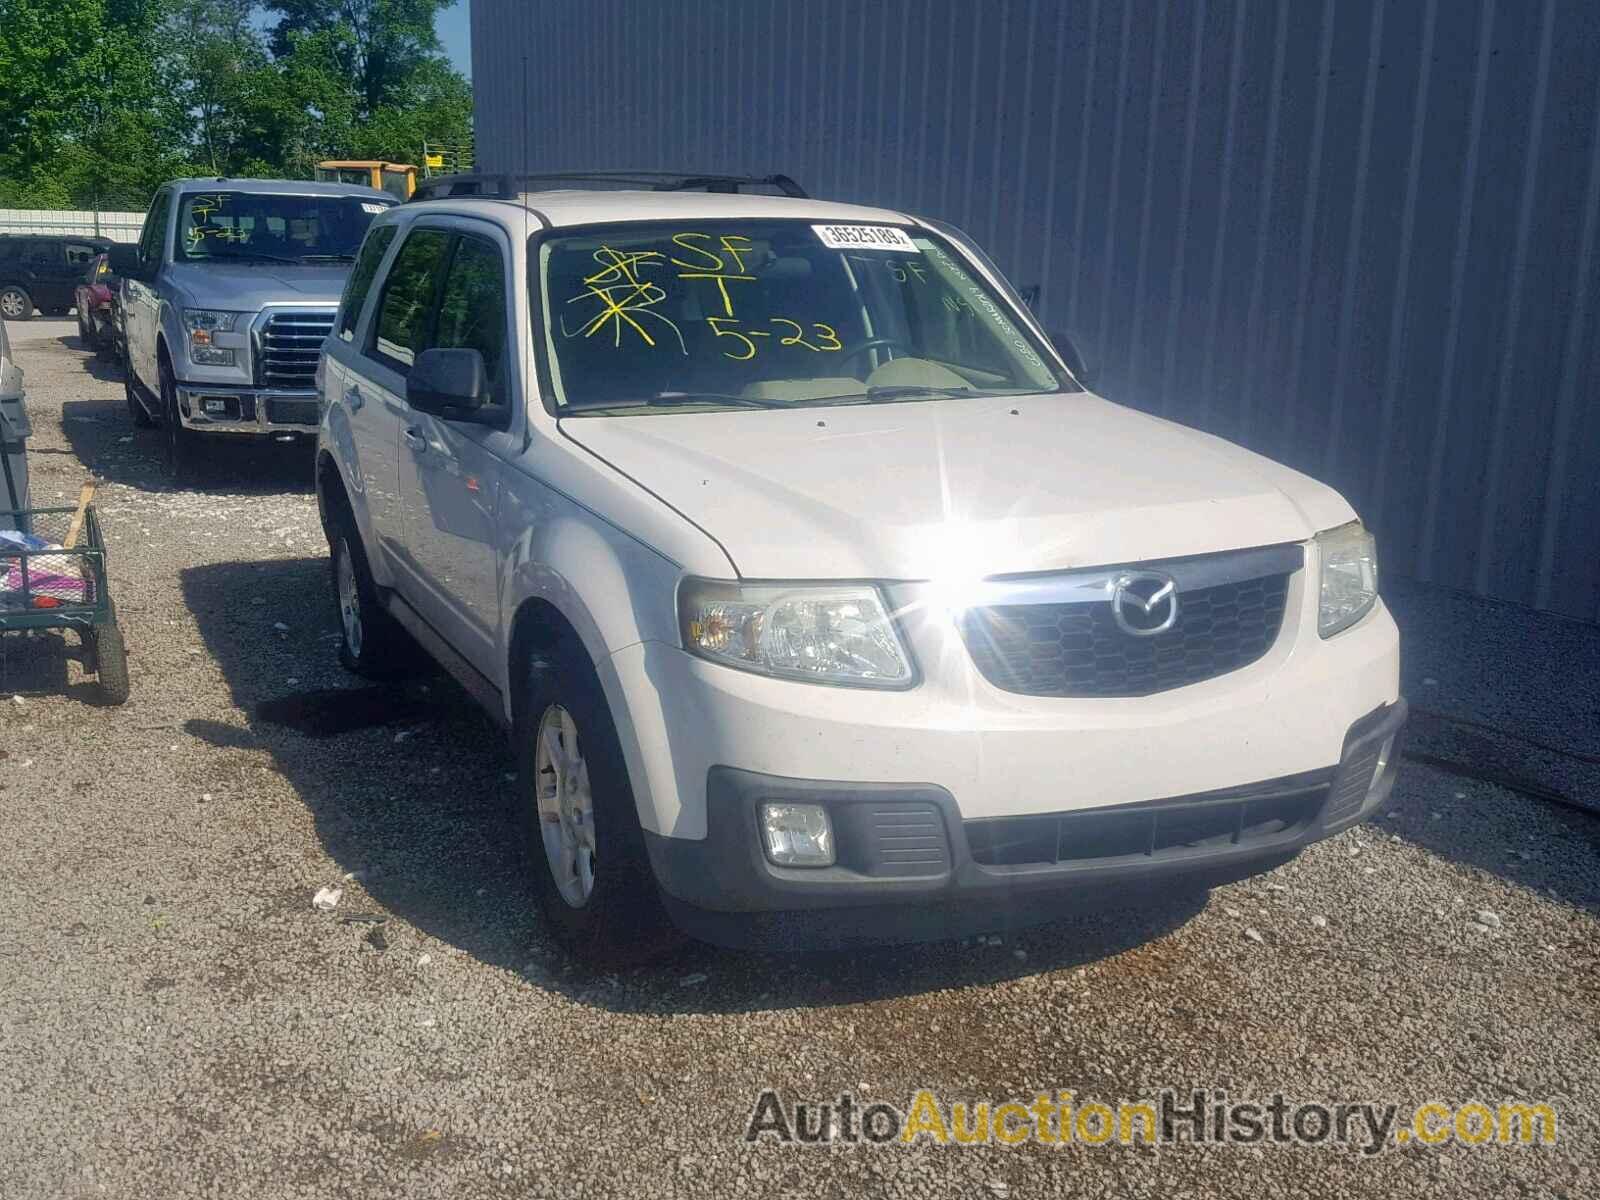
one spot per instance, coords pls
(822, 633)
(1349, 569)
(201, 324)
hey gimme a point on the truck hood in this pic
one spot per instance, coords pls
(974, 488)
(248, 287)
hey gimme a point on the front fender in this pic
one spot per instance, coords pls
(614, 592)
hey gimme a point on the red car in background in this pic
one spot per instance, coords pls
(99, 315)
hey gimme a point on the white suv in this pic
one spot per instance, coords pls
(820, 600)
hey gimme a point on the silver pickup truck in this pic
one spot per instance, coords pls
(227, 297)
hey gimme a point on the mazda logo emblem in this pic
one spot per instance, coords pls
(1144, 603)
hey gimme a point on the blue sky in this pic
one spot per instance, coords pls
(453, 32)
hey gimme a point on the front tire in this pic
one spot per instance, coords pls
(581, 829)
(181, 459)
(130, 393)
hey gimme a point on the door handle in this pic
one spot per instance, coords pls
(415, 440)
(354, 399)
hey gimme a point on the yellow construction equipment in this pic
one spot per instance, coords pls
(398, 179)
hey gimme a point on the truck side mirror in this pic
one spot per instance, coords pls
(1081, 370)
(448, 383)
(124, 261)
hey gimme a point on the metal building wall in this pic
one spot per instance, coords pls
(1358, 236)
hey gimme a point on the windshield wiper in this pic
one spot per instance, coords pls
(688, 399)
(249, 256)
(326, 258)
(901, 390)
(886, 392)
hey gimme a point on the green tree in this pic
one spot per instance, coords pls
(85, 121)
(377, 44)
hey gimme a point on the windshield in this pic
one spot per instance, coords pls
(262, 227)
(774, 314)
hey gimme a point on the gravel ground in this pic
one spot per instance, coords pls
(176, 1019)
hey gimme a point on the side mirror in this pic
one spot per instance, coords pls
(451, 384)
(1081, 370)
(123, 260)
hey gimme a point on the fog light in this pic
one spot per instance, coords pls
(797, 835)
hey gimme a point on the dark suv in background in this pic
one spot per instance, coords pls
(41, 270)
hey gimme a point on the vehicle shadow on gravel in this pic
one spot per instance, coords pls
(103, 437)
(104, 369)
(416, 795)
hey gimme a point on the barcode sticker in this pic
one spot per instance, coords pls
(865, 237)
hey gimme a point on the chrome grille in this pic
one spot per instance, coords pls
(1231, 609)
(288, 347)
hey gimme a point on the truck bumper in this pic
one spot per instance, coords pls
(910, 867)
(247, 412)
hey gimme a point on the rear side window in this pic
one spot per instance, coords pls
(360, 281)
(472, 308)
(406, 303)
(79, 255)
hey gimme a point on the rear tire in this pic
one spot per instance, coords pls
(15, 303)
(109, 656)
(372, 644)
(581, 832)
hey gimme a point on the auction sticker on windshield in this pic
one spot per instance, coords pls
(865, 237)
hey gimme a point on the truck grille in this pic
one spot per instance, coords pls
(1077, 648)
(289, 345)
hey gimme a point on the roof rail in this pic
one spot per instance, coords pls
(508, 186)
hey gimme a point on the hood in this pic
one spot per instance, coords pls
(987, 486)
(248, 287)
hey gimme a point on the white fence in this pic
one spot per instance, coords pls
(118, 226)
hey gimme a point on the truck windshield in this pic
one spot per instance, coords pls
(265, 227)
(774, 314)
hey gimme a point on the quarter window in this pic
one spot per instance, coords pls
(407, 298)
(360, 281)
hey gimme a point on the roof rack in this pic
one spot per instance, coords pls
(508, 186)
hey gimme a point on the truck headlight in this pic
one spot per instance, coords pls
(1348, 559)
(839, 633)
(201, 324)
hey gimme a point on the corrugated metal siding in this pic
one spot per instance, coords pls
(1359, 237)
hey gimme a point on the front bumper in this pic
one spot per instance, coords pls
(910, 867)
(247, 411)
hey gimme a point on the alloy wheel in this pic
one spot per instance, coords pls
(566, 806)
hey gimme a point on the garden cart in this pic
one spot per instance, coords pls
(53, 576)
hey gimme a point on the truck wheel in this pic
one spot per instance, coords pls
(110, 660)
(15, 303)
(181, 459)
(585, 848)
(130, 393)
(372, 644)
